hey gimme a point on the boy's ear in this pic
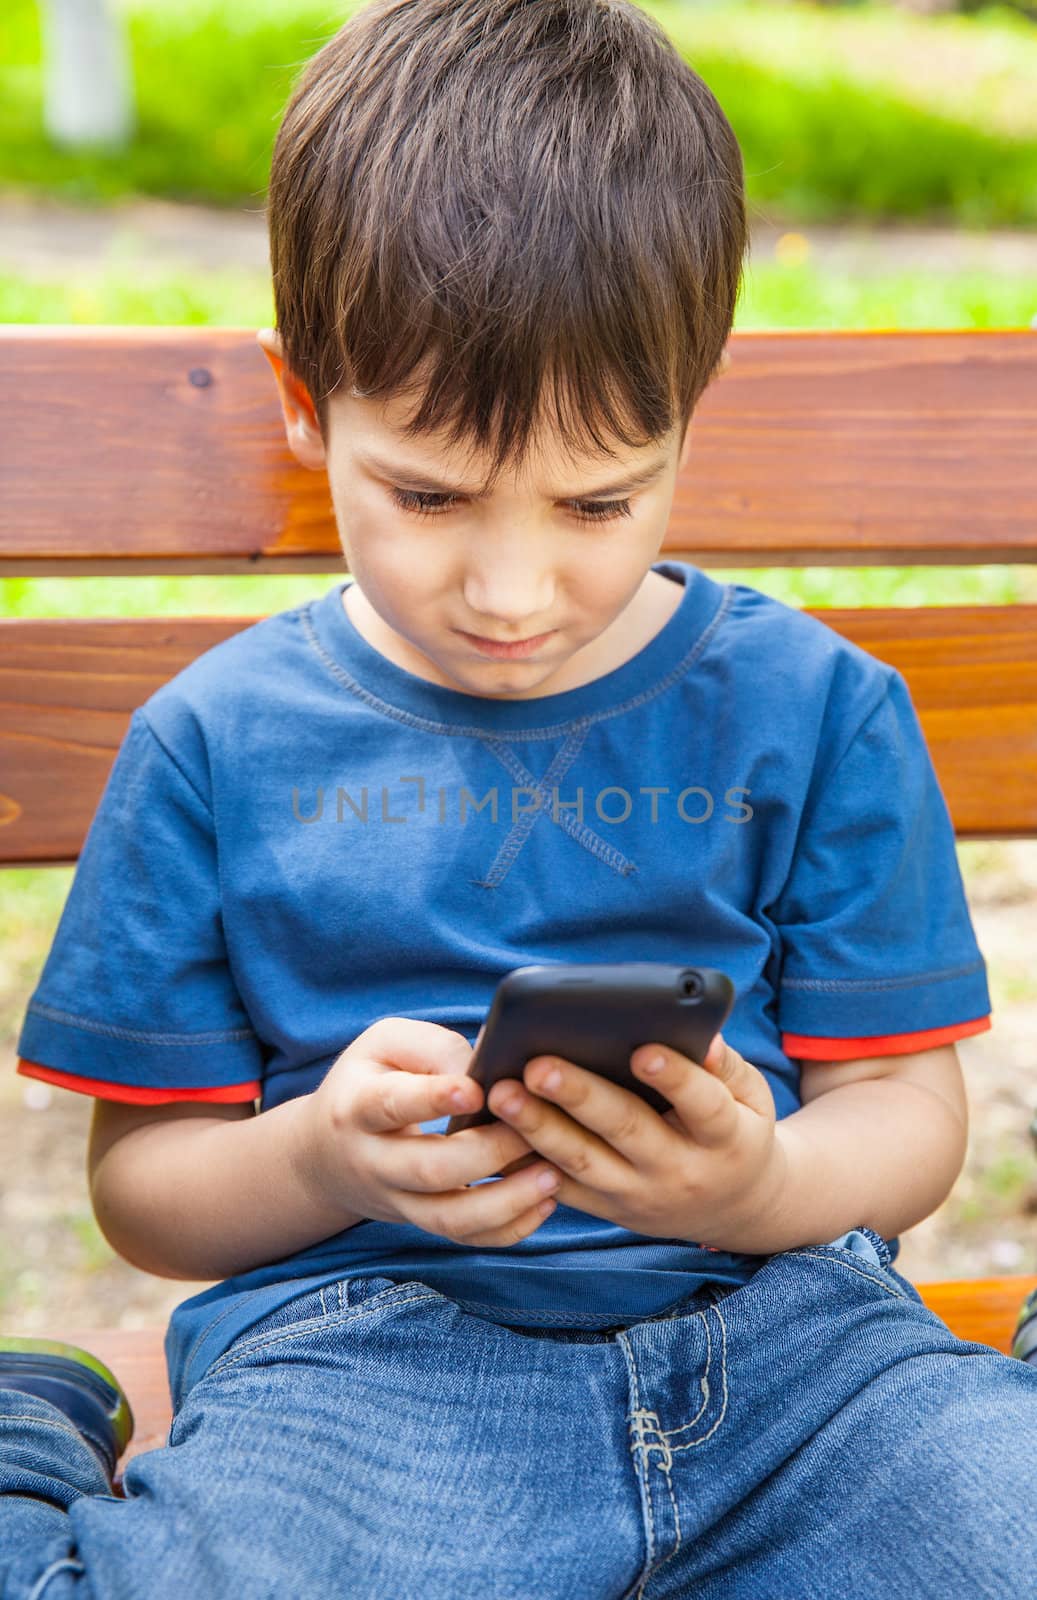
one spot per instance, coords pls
(686, 446)
(300, 418)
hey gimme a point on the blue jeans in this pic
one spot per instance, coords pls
(813, 1434)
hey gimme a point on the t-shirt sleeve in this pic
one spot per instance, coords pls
(879, 956)
(136, 1001)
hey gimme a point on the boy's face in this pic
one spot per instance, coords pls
(517, 563)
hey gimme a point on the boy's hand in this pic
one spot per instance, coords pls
(363, 1152)
(703, 1171)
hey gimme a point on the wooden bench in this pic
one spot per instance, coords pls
(161, 450)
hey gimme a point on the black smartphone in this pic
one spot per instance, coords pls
(596, 1016)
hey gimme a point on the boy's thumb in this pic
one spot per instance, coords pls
(412, 1045)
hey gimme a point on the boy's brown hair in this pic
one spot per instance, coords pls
(474, 201)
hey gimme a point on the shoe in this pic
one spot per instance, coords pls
(1025, 1344)
(77, 1383)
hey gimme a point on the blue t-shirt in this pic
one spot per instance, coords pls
(299, 837)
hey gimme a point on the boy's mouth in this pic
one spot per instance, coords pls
(492, 647)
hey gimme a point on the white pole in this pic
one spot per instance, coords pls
(87, 97)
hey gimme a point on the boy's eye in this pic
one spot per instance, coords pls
(424, 503)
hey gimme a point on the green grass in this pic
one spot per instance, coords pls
(1007, 1178)
(774, 295)
(871, 112)
(95, 1253)
(210, 77)
(260, 595)
(138, 292)
(832, 119)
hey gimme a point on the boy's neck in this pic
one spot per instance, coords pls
(645, 617)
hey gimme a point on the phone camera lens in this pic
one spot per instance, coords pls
(691, 986)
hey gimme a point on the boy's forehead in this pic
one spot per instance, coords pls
(365, 427)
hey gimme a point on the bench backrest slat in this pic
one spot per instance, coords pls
(162, 450)
(67, 690)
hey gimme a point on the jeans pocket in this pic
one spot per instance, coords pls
(332, 1305)
(358, 1291)
(864, 1242)
(870, 1249)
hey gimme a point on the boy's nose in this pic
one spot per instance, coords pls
(509, 610)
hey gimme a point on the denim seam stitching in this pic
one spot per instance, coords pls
(470, 730)
(818, 1255)
(647, 1423)
(48, 1422)
(722, 1413)
(367, 1307)
(705, 1437)
(200, 1337)
(562, 1319)
(63, 1564)
(640, 1468)
(880, 1245)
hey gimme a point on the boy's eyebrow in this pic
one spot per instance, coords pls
(415, 478)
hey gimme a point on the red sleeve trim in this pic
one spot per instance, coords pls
(136, 1094)
(809, 1048)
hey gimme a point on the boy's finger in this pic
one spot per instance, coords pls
(522, 1161)
(494, 1212)
(693, 1088)
(412, 1045)
(746, 1082)
(706, 1109)
(434, 1163)
(397, 1098)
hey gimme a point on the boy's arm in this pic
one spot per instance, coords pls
(878, 1141)
(183, 1195)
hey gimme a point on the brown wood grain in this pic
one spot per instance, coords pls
(983, 1310)
(67, 690)
(162, 450)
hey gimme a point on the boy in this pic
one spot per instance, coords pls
(507, 237)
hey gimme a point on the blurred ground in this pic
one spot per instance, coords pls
(57, 1268)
